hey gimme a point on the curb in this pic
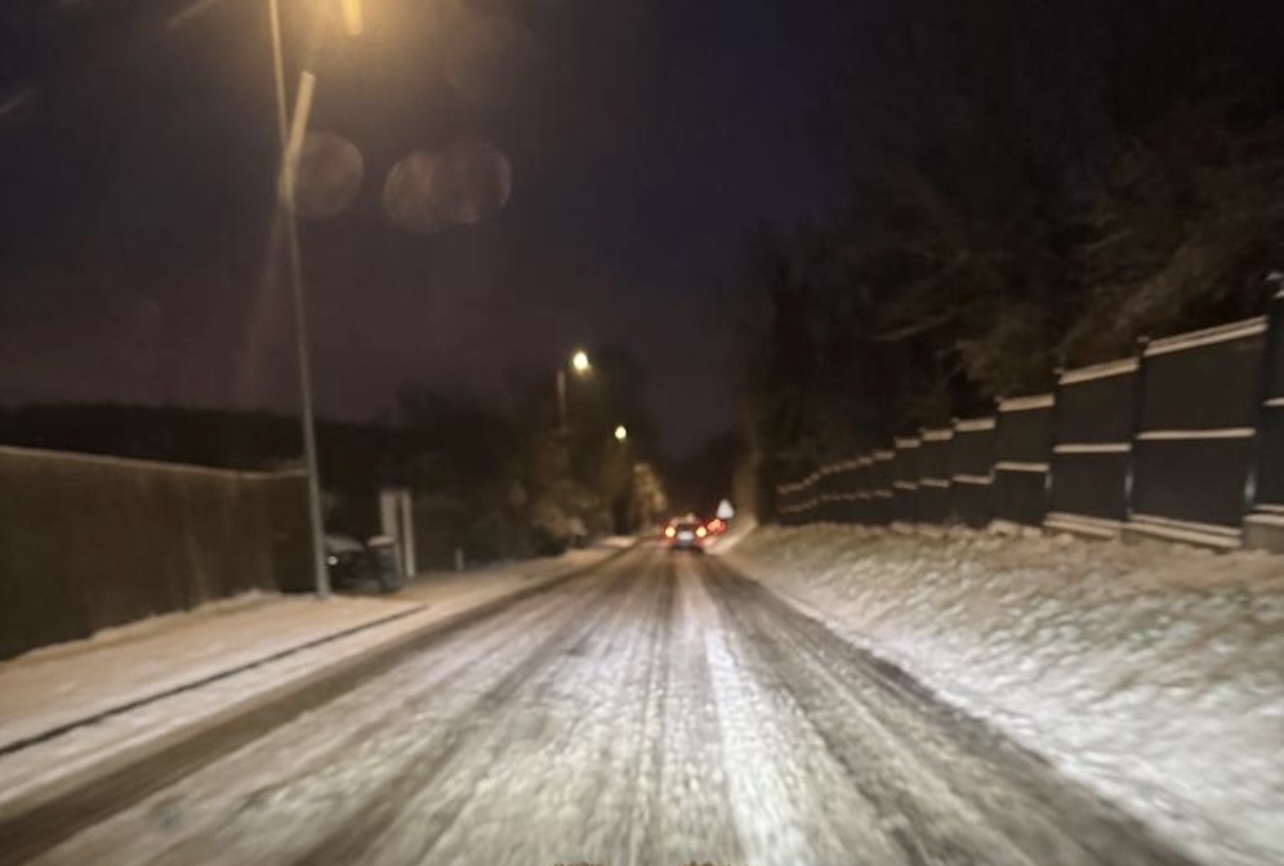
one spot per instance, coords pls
(50, 814)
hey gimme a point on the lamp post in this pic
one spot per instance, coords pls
(582, 366)
(623, 519)
(290, 134)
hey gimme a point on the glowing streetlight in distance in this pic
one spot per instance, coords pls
(621, 434)
(353, 19)
(580, 362)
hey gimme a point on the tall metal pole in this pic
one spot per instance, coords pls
(291, 140)
(561, 400)
(278, 74)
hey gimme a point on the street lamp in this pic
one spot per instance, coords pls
(353, 18)
(624, 459)
(582, 366)
(290, 133)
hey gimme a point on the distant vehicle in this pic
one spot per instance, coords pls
(347, 560)
(686, 533)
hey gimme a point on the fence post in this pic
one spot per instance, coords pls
(1138, 408)
(1274, 288)
(953, 513)
(994, 461)
(1054, 421)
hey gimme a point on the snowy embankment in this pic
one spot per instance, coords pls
(1153, 673)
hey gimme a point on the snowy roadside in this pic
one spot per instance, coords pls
(436, 583)
(236, 658)
(1153, 673)
(48, 689)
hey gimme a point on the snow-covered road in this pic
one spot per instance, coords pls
(661, 710)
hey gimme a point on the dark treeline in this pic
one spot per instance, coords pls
(481, 468)
(219, 438)
(699, 481)
(1018, 187)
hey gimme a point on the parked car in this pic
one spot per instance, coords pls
(346, 560)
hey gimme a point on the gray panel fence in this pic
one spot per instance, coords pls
(1195, 447)
(1093, 416)
(833, 480)
(1185, 441)
(860, 493)
(882, 493)
(1023, 445)
(905, 475)
(934, 475)
(972, 471)
(844, 492)
(1266, 486)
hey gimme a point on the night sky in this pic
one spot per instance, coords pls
(137, 149)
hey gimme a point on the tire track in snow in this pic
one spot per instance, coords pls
(792, 803)
(348, 842)
(647, 787)
(311, 772)
(931, 771)
(632, 619)
(702, 829)
(658, 711)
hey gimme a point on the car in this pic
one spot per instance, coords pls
(686, 533)
(347, 561)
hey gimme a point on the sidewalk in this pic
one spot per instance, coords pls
(87, 707)
(51, 690)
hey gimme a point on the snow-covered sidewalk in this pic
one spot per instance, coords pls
(436, 586)
(67, 708)
(1153, 673)
(45, 691)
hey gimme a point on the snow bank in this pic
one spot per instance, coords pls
(740, 529)
(1154, 673)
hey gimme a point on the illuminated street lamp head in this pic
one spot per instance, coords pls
(580, 362)
(621, 434)
(353, 18)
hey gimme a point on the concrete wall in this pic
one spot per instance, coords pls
(90, 542)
